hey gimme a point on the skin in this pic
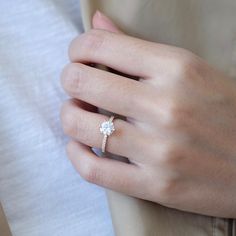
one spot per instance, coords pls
(180, 131)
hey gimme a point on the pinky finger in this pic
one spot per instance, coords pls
(112, 174)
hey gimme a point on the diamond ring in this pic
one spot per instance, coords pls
(107, 128)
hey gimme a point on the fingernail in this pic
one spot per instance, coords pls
(98, 14)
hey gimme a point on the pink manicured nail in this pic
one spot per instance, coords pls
(101, 21)
(98, 14)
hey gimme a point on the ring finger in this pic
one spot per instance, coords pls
(84, 125)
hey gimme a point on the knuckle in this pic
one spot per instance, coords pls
(82, 44)
(168, 189)
(88, 167)
(71, 79)
(172, 111)
(82, 130)
(90, 171)
(146, 103)
(73, 124)
(177, 115)
(87, 44)
(70, 148)
(172, 114)
(67, 118)
(186, 65)
(72, 49)
(171, 156)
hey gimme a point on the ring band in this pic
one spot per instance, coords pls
(107, 128)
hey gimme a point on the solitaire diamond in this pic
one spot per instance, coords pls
(107, 128)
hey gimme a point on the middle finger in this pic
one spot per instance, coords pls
(106, 90)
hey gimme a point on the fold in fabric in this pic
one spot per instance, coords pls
(187, 24)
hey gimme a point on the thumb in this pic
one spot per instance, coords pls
(100, 21)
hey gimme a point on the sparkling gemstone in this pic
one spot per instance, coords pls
(107, 128)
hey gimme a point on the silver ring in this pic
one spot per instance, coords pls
(107, 128)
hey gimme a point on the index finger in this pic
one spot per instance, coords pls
(127, 54)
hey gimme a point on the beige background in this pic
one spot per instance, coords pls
(4, 229)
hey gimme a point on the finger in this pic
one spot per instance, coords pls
(116, 175)
(84, 127)
(106, 90)
(100, 21)
(121, 52)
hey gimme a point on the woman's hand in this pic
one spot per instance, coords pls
(180, 133)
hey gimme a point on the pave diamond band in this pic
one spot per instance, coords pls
(107, 128)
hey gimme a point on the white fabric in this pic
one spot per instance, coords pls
(40, 191)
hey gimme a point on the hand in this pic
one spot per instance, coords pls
(180, 132)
